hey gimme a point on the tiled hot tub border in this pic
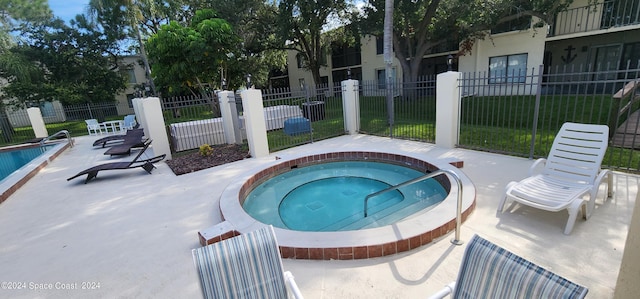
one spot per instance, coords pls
(227, 230)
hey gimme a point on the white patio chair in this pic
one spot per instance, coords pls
(93, 126)
(128, 123)
(571, 171)
(245, 266)
(490, 271)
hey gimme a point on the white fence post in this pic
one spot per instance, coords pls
(447, 109)
(37, 122)
(149, 111)
(351, 106)
(254, 122)
(230, 121)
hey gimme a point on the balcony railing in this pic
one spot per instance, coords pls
(607, 14)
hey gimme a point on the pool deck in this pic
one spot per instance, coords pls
(130, 234)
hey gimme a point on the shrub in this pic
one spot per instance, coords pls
(205, 150)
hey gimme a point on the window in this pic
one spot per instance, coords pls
(508, 69)
(379, 45)
(323, 57)
(132, 76)
(606, 63)
(382, 82)
(300, 59)
(130, 98)
(46, 108)
(345, 55)
(630, 55)
(301, 83)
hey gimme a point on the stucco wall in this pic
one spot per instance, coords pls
(295, 73)
(370, 63)
(517, 42)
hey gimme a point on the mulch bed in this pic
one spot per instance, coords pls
(222, 154)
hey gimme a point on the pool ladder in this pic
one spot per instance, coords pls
(456, 240)
(57, 134)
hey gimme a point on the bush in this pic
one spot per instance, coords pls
(205, 150)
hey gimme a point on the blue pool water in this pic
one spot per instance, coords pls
(12, 160)
(330, 196)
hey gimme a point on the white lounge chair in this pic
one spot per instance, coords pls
(571, 171)
(245, 266)
(490, 271)
(93, 126)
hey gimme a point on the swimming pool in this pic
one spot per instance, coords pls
(33, 158)
(330, 196)
(12, 160)
(414, 231)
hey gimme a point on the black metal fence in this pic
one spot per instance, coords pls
(295, 117)
(405, 110)
(193, 121)
(15, 126)
(292, 117)
(522, 117)
(515, 114)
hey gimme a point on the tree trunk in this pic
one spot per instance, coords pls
(145, 61)
(388, 52)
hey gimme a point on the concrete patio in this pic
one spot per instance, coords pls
(127, 234)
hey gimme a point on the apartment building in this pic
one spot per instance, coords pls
(600, 37)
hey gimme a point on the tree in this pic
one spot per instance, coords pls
(301, 25)
(259, 52)
(68, 64)
(13, 15)
(423, 26)
(129, 17)
(189, 58)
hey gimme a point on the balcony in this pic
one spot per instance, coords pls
(600, 16)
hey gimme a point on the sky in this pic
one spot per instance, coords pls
(68, 9)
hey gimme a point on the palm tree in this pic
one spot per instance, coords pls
(388, 58)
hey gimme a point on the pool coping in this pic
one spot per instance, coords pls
(410, 233)
(21, 176)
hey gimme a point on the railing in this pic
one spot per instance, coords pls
(522, 119)
(607, 14)
(456, 240)
(411, 103)
(57, 134)
(320, 105)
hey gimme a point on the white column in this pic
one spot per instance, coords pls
(230, 122)
(447, 109)
(37, 122)
(137, 108)
(351, 106)
(254, 123)
(627, 285)
(152, 120)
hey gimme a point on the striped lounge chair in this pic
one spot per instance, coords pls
(245, 266)
(489, 271)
